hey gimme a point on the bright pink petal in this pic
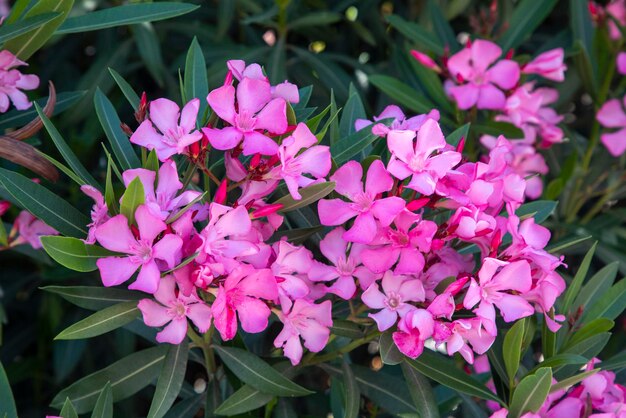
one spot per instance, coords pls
(223, 139)
(386, 210)
(514, 307)
(189, 115)
(465, 96)
(116, 270)
(483, 54)
(615, 142)
(256, 143)
(505, 74)
(115, 235)
(316, 161)
(401, 144)
(380, 259)
(491, 97)
(164, 113)
(154, 314)
(146, 136)
(373, 297)
(222, 101)
(149, 225)
(385, 319)
(273, 117)
(147, 279)
(611, 114)
(253, 315)
(430, 138)
(168, 249)
(348, 179)
(335, 211)
(378, 179)
(252, 95)
(333, 247)
(363, 230)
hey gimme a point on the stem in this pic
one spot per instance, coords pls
(209, 357)
(191, 169)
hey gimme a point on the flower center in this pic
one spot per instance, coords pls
(245, 121)
(363, 202)
(178, 310)
(393, 301)
(345, 267)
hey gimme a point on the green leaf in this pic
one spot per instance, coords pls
(559, 360)
(574, 287)
(125, 15)
(433, 87)
(109, 192)
(402, 93)
(512, 349)
(389, 352)
(127, 376)
(133, 197)
(170, 380)
(4, 240)
(581, 24)
(27, 44)
(117, 138)
(12, 30)
(314, 19)
(353, 394)
(15, 117)
(257, 373)
(73, 253)
(333, 75)
(617, 362)
(127, 90)
(347, 329)
(416, 33)
(101, 322)
(588, 348)
(65, 169)
(421, 392)
(596, 326)
(494, 128)
(195, 81)
(349, 147)
(527, 16)
(442, 27)
(352, 111)
(187, 408)
(384, 390)
(104, 404)
(297, 236)
(44, 204)
(152, 162)
(596, 286)
(94, 297)
(149, 49)
(539, 209)
(531, 393)
(7, 403)
(460, 133)
(310, 194)
(570, 381)
(445, 372)
(561, 245)
(68, 410)
(243, 400)
(610, 305)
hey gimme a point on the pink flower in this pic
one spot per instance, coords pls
(240, 295)
(12, 81)
(173, 309)
(256, 111)
(621, 63)
(617, 9)
(315, 160)
(468, 336)
(611, 115)
(496, 278)
(304, 320)
(548, 65)
(143, 252)
(394, 300)
(99, 211)
(480, 83)
(290, 268)
(400, 121)
(425, 60)
(346, 266)
(415, 159)
(240, 70)
(413, 329)
(30, 230)
(365, 205)
(163, 201)
(176, 129)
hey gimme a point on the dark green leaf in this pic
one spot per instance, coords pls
(460, 133)
(101, 322)
(442, 27)
(570, 381)
(104, 404)
(353, 395)
(421, 392)
(15, 118)
(12, 30)
(94, 297)
(595, 287)
(243, 400)
(187, 408)
(310, 194)
(512, 349)
(7, 404)
(195, 82)
(617, 362)
(389, 352)
(402, 93)
(314, 19)
(595, 327)
(352, 111)
(170, 380)
(527, 16)
(347, 329)
(531, 393)
(149, 49)
(73, 253)
(68, 410)
(574, 287)
(559, 360)
(416, 33)
(610, 305)
(127, 90)
(539, 209)
(494, 128)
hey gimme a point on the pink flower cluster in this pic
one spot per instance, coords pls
(597, 396)
(478, 77)
(12, 82)
(214, 263)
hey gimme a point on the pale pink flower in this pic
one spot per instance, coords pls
(142, 251)
(290, 268)
(479, 82)
(240, 70)
(240, 295)
(548, 65)
(612, 115)
(307, 321)
(399, 122)
(256, 112)
(394, 300)
(176, 129)
(12, 82)
(172, 310)
(417, 159)
(365, 205)
(30, 230)
(413, 329)
(467, 336)
(99, 211)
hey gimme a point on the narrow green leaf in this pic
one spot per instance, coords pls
(610, 305)
(243, 400)
(104, 404)
(44, 204)
(499, 128)
(512, 349)
(7, 403)
(315, 121)
(352, 111)
(133, 197)
(539, 209)
(594, 327)
(460, 133)
(65, 169)
(581, 24)
(527, 16)
(389, 352)
(94, 297)
(101, 322)
(531, 393)
(314, 19)
(257, 373)
(68, 410)
(125, 15)
(117, 138)
(11, 30)
(152, 162)
(384, 390)
(73, 253)
(346, 328)
(28, 43)
(570, 381)
(297, 236)
(617, 362)
(15, 117)
(351, 146)
(109, 192)
(416, 33)
(595, 287)
(125, 87)
(442, 27)
(421, 392)
(149, 49)
(574, 287)
(559, 360)
(402, 93)
(353, 394)
(187, 408)
(310, 194)
(559, 246)
(170, 380)
(195, 81)
(445, 372)
(127, 376)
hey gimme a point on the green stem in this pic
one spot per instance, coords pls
(209, 357)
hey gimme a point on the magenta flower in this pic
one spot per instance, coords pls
(413, 330)
(12, 82)
(30, 230)
(315, 160)
(176, 129)
(346, 267)
(466, 337)
(163, 201)
(480, 82)
(496, 278)
(307, 321)
(415, 159)
(256, 111)
(172, 310)
(621, 63)
(240, 295)
(99, 211)
(400, 121)
(548, 65)
(240, 70)
(142, 251)
(365, 205)
(611, 115)
(393, 300)
(290, 268)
